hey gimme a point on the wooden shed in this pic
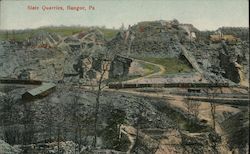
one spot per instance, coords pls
(39, 92)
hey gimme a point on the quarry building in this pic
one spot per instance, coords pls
(39, 92)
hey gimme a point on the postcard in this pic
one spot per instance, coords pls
(124, 76)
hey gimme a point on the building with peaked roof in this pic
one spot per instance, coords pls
(119, 67)
(39, 92)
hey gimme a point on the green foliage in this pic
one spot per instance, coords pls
(63, 31)
(149, 68)
(109, 33)
(20, 36)
(111, 135)
(117, 117)
(171, 65)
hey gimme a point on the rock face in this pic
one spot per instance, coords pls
(28, 63)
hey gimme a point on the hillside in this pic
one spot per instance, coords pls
(220, 60)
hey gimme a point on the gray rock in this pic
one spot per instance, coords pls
(5, 148)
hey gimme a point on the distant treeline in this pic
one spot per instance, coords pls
(21, 35)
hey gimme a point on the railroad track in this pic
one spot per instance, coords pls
(220, 100)
(19, 81)
(223, 95)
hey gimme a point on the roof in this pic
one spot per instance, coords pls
(123, 59)
(215, 36)
(44, 87)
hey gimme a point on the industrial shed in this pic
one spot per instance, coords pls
(119, 67)
(39, 92)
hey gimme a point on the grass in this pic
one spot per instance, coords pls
(171, 65)
(18, 36)
(63, 31)
(149, 69)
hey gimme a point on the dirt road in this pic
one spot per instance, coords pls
(160, 72)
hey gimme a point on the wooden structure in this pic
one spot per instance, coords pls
(39, 92)
(120, 67)
(228, 38)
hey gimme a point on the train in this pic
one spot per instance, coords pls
(166, 85)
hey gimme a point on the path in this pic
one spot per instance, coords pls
(161, 71)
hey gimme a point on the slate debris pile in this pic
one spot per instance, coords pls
(81, 51)
(156, 37)
(30, 63)
(221, 61)
(43, 39)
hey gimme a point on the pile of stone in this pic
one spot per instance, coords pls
(83, 55)
(83, 41)
(43, 39)
(221, 59)
(29, 63)
(86, 54)
(158, 37)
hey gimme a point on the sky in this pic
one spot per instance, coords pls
(203, 14)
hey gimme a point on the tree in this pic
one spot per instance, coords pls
(137, 120)
(106, 61)
(192, 107)
(122, 28)
(48, 109)
(112, 131)
(211, 95)
(81, 118)
(28, 122)
(8, 114)
(76, 118)
(59, 111)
